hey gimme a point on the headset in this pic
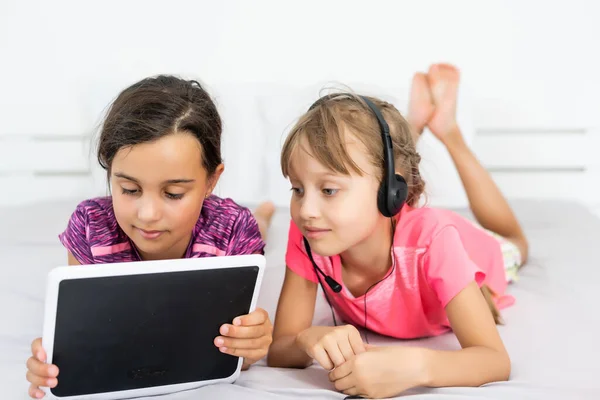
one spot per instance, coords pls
(393, 189)
(391, 196)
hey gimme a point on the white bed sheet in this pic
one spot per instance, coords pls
(551, 333)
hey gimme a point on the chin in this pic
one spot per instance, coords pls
(324, 249)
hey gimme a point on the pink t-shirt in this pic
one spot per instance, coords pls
(437, 253)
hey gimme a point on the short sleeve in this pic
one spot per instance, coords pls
(296, 257)
(75, 239)
(245, 235)
(448, 267)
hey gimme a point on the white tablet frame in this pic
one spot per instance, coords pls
(58, 274)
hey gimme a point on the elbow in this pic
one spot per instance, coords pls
(499, 368)
(504, 369)
(272, 357)
(272, 360)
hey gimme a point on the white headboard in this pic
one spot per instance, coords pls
(57, 161)
(40, 167)
(543, 163)
(525, 163)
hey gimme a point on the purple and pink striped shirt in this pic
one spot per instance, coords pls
(93, 235)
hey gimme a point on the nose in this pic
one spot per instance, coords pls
(148, 209)
(309, 207)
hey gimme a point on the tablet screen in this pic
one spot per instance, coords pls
(138, 331)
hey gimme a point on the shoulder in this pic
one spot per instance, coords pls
(419, 226)
(92, 225)
(98, 207)
(93, 214)
(223, 212)
(227, 228)
(101, 222)
(438, 230)
(98, 217)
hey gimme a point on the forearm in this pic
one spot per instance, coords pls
(489, 206)
(472, 366)
(285, 353)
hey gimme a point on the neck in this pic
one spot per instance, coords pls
(372, 257)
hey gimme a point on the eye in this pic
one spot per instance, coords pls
(297, 191)
(174, 196)
(330, 192)
(129, 192)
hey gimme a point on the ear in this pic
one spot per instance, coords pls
(214, 179)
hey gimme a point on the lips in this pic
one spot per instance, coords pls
(150, 235)
(315, 233)
(313, 229)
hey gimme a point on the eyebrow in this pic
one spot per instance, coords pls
(322, 176)
(170, 181)
(328, 174)
(332, 175)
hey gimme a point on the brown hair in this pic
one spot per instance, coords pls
(158, 106)
(324, 125)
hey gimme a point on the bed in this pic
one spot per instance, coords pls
(551, 333)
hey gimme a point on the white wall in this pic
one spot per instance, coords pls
(529, 64)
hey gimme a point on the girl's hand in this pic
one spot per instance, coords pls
(249, 337)
(331, 346)
(40, 374)
(381, 372)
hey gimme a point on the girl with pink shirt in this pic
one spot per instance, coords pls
(384, 263)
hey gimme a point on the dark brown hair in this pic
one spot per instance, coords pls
(158, 106)
(323, 126)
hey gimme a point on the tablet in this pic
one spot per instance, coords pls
(145, 328)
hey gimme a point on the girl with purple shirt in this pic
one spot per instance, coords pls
(161, 147)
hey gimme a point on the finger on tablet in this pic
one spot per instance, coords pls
(41, 381)
(248, 354)
(41, 369)
(256, 343)
(37, 350)
(245, 331)
(257, 317)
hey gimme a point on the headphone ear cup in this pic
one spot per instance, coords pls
(390, 202)
(382, 200)
(400, 193)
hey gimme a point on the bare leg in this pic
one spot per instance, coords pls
(487, 202)
(263, 215)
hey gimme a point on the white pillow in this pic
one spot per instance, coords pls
(280, 106)
(242, 143)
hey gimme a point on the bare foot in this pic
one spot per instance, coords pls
(263, 215)
(443, 82)
(420, 105)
